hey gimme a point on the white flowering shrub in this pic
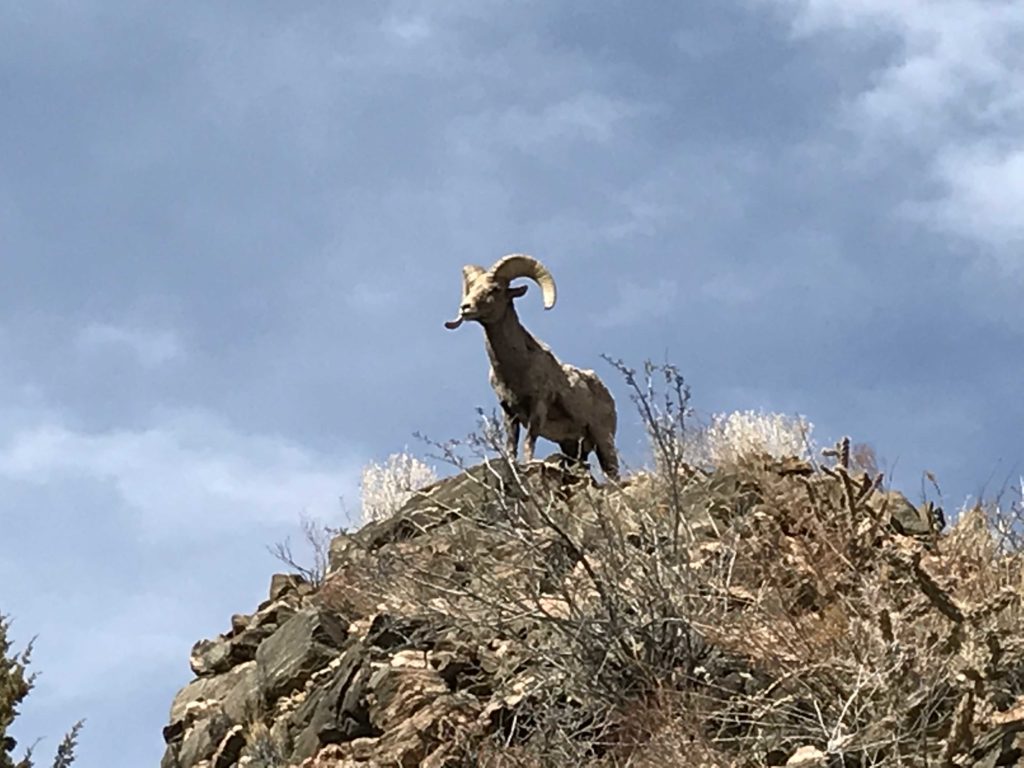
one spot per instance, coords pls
(386, 487)
(731, 436)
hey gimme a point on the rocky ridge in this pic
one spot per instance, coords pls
(410, 653)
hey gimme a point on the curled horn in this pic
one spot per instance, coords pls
(520, 265)
(470, 273)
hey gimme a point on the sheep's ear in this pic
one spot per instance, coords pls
(518, 291)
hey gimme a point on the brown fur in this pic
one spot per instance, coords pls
(567, 405)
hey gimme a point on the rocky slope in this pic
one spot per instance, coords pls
(771, 614)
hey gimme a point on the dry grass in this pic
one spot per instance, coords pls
(704, 616)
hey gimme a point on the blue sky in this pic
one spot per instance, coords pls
(230, 233)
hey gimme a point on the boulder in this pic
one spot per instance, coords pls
(807, 757)
(903, 516)
(271, 615)
(203, 689)
(338, 712)
(244, 701)
(285, 584)
(203, 738)
(211, 657)
(299, 647)
(239, 623)
(396, 693)
(230, 748)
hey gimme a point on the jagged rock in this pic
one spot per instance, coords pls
(344, 549)
(215, 688)
(230, 748)
(244, 646)
(172, 732)
(338, 712)
(239, 644)
(387, 632)
(211, 657)
(458, 671)
(396, 693)
(300, 646)
(807, 757)
(170, 758)
(424, 662)
(202, 739)
(271, 615)
(1002, 745)
(244, 700)
(421, 738)
(903, 516)
(239, 623)
(477, 488)
(285, 584)
(420, 741)
(353, 754)
(280, 737)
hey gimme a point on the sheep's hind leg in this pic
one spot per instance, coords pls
(575, 453)
(572, 449)
(608, 458)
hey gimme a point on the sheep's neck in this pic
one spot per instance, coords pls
(509, 345)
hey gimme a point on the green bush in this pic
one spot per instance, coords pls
(15, 685)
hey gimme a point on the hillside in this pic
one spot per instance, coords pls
(765, 612)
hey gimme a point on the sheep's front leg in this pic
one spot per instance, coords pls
(511, 432)
(533, 429)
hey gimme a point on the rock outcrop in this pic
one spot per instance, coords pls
(502, 614)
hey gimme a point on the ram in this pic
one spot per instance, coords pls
(551, 399)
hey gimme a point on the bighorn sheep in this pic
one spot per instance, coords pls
(554, 400)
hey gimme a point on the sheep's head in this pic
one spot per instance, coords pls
(487, 295)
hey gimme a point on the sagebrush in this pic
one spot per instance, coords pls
(388, 485)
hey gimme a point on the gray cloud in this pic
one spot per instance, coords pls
(149, 347)
(949, 92)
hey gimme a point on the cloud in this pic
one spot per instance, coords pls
(639, 303)
(589, 117)
(986, 195)
(373, 297)
(408, 29)
(189, 476)
(731, 289)
(690, 189)
(142, 539)
(950, 92)
(696, 43)
(146, 629)
(150, 347)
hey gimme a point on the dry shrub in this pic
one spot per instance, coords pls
(703, 616)
(726, 440)
(387, 486)
(730, 438)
